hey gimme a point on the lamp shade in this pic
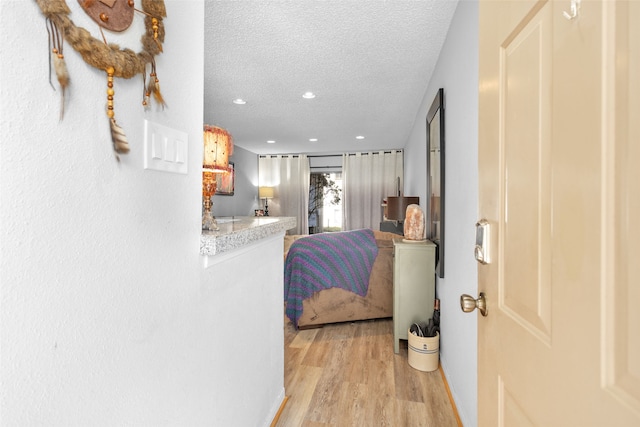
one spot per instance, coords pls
(397, 206)
(265, 192)
(218, 146)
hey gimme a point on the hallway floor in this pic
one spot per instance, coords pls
(348, 375)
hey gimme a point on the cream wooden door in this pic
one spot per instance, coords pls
(559, 161)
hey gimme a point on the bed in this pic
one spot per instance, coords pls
(315, 267)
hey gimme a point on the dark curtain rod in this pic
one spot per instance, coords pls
(323, 155)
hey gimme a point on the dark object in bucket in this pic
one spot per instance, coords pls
(428, 329)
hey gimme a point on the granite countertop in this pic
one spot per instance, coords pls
(238, 231)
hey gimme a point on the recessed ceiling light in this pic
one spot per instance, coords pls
(271, 141)
(309, 95)
(313, 139)
(359, 137)
(239, 101)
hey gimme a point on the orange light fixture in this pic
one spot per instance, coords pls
(218, 147)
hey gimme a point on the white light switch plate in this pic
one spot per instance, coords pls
(165, 149)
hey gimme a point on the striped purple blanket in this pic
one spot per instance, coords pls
(322, 261)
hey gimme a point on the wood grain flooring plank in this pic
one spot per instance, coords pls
(413, 414)
(317, 355)
(356, 368)
(354, 399)
(383, 350)
(382, 407)
(326, 399)
(300, 389)
(325, 402)
(437, 402)
(294, 356)
(307, 423)
(408, 384)
(304, 338)
(337, 331)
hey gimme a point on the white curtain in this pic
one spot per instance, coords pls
(289, 177)
(367, 179)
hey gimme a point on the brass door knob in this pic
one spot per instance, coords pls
(468, 303)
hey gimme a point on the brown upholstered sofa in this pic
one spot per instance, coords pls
(339, 305)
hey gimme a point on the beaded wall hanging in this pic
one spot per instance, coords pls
(114, 15)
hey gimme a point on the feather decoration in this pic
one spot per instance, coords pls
(157, 95)
(154, 85)
(145, 94)
(153, 88)
(63, 78)
(56, 40)
(120, 143)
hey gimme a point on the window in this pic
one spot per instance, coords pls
(325, 202)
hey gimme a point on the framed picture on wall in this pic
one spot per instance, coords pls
(225, 182)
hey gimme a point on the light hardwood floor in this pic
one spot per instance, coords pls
(348, 375)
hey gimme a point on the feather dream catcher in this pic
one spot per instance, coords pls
(112, 15)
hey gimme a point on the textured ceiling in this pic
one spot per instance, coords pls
(367, 61)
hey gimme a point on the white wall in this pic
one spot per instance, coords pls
(242, 355)
(106, 314)
(456, 72)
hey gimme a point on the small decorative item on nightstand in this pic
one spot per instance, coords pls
(414, 224)
(396, 208)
